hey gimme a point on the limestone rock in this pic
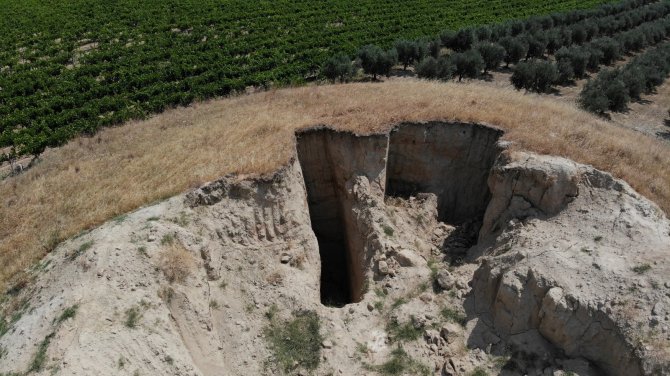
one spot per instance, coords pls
(450, 332)
(405, 258)
(445, 280)
(383, 267)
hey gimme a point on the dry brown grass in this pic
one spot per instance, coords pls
(93, 179)
(176, 262)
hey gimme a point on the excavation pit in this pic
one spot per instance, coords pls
(450, 160)
(329, 160)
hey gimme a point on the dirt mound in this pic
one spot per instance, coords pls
(427, 250)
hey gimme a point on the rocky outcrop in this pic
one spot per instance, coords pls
(559, 268)
(528, 186)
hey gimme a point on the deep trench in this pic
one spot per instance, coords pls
(451, 160)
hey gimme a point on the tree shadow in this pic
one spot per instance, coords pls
(504, 69)
(488, 77)
(571, 83)
(642, 101)
(402, 73)
(604, 116)
(366, 79)
(554, 91)
(666, 122)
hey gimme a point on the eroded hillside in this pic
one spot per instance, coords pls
(434, 248)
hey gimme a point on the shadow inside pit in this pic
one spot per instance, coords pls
(329, 161)
(460, 240)
(450, 160)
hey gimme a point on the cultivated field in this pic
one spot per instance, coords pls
(68, 67)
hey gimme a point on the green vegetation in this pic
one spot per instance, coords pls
(168, 239)
(10, 319)
(82, 248)
(403, 332)
(142, 250)
(120, 218)
(398, 302)
(182, 220)
(479, 371)
(492, 54)
(376, 61)
(441, 68)
(581, 41)
(272, 312)
(338, 66)
(71, 67)
(468, 64)
(133, 316)
(642, 268)
(453, 316)
(534, 75)
(52, 240)
(400, 364)
(4, 327)
(613, 89)
(69, 312)
(362, 348)
(41, 355)
(295, 343)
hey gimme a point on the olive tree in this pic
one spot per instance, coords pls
(338, 66)
(468, 64)
(376, 61)
(432, 68)
(408, 52)
(492, 53)
(515, 49)
(534, 75)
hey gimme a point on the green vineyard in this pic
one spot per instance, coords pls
(71, 67)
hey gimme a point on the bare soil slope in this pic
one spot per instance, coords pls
(568, 274)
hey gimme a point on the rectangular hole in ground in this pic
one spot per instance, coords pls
(325, 211)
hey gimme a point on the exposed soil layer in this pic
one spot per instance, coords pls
(450, 160)
(453, 162)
